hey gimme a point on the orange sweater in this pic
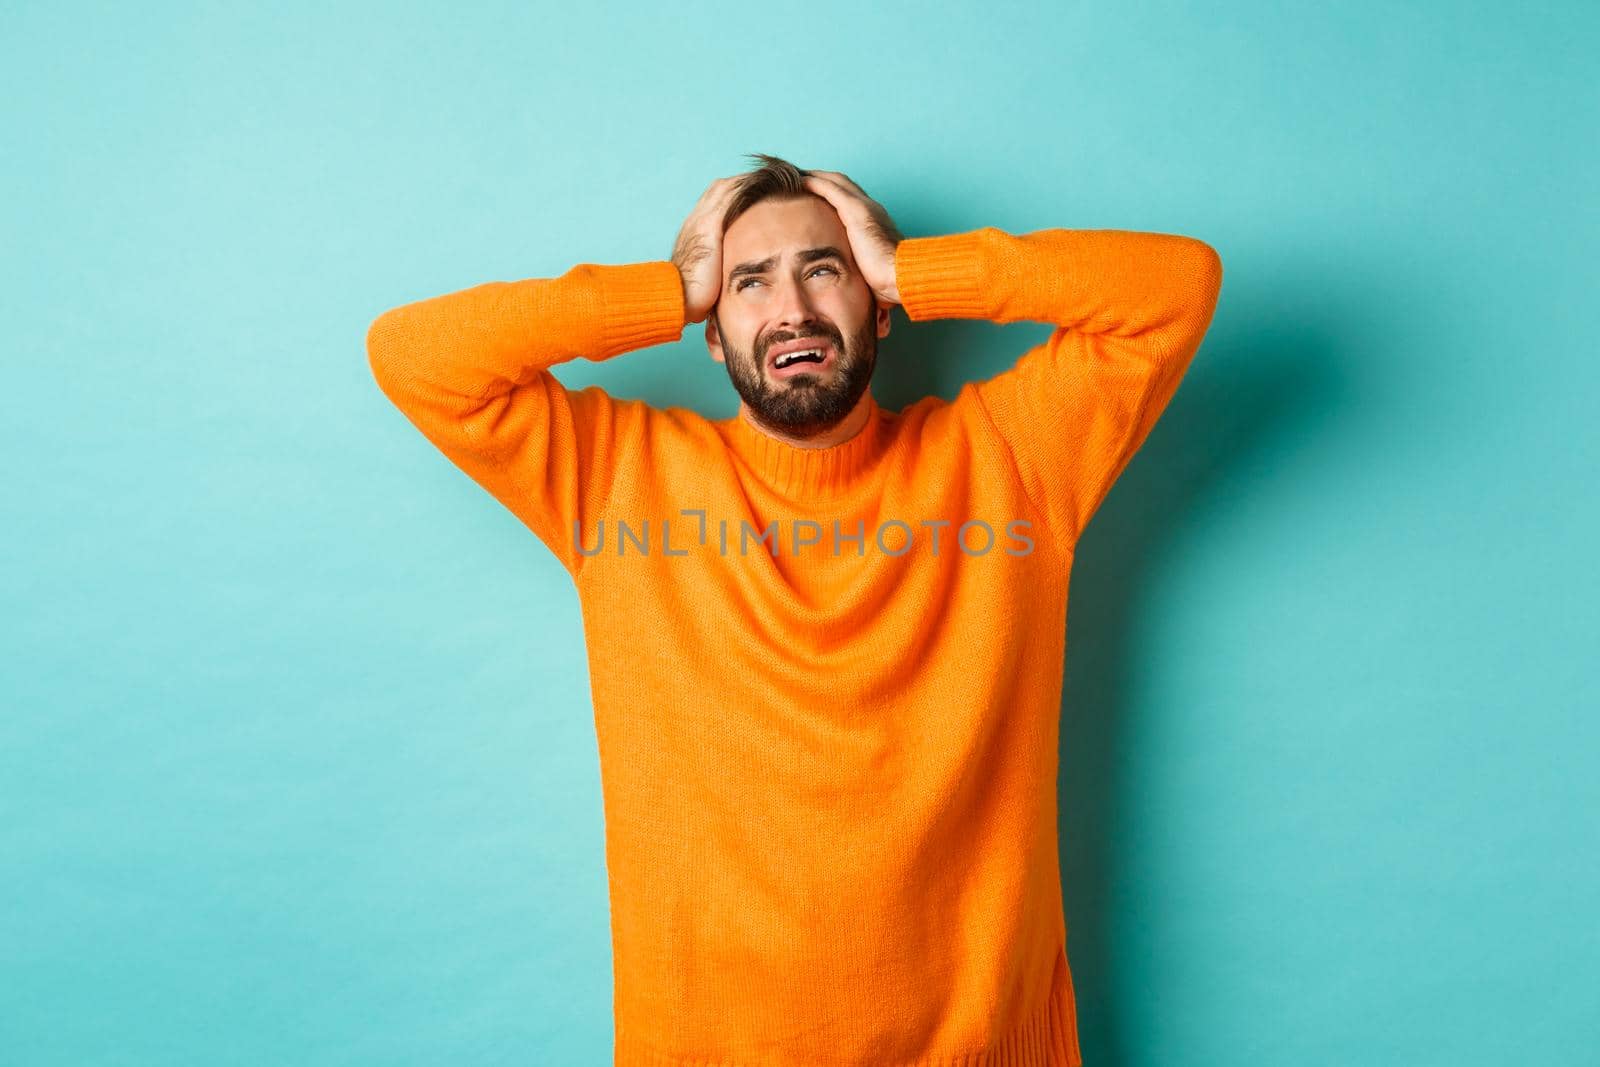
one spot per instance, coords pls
(827, 731)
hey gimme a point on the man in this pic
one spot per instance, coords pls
(825, 639)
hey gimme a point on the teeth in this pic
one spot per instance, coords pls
(789, 357)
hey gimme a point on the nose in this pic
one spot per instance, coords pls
(794, 310)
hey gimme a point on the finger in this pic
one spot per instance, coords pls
(718, 192)
(729, 191)
(848, 205)
(828, 189)
(847, 199)
(844, 181)
(714, 202)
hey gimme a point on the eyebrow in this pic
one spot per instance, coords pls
(809, 255)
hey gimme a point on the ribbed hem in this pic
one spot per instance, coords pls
(1047, 1038)
(641, 304)
(942, 277)
(813, 471)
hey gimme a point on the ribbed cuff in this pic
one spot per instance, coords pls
(641, 304)
(941, 277)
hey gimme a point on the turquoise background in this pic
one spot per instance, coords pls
(297, 764)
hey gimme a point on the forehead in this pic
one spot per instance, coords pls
(782, 228)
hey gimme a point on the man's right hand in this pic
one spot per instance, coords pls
(698, 251)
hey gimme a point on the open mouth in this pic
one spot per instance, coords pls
(798, 360)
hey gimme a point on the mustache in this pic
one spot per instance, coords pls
(821, 335)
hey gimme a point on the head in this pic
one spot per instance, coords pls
(788, 274)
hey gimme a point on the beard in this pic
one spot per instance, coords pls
(805, 403)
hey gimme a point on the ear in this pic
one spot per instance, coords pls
(884, 319)
(713, 338)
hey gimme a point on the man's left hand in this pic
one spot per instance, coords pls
(872, 234)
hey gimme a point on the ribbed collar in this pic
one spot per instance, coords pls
(810, 471)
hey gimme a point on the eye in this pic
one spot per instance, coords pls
(739, 287)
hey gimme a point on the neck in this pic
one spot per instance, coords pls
(824, 466)
(840, 432)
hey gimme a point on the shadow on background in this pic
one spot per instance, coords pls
(1234, 401)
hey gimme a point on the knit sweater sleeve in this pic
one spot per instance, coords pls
(471, 370)
(1130, 310)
